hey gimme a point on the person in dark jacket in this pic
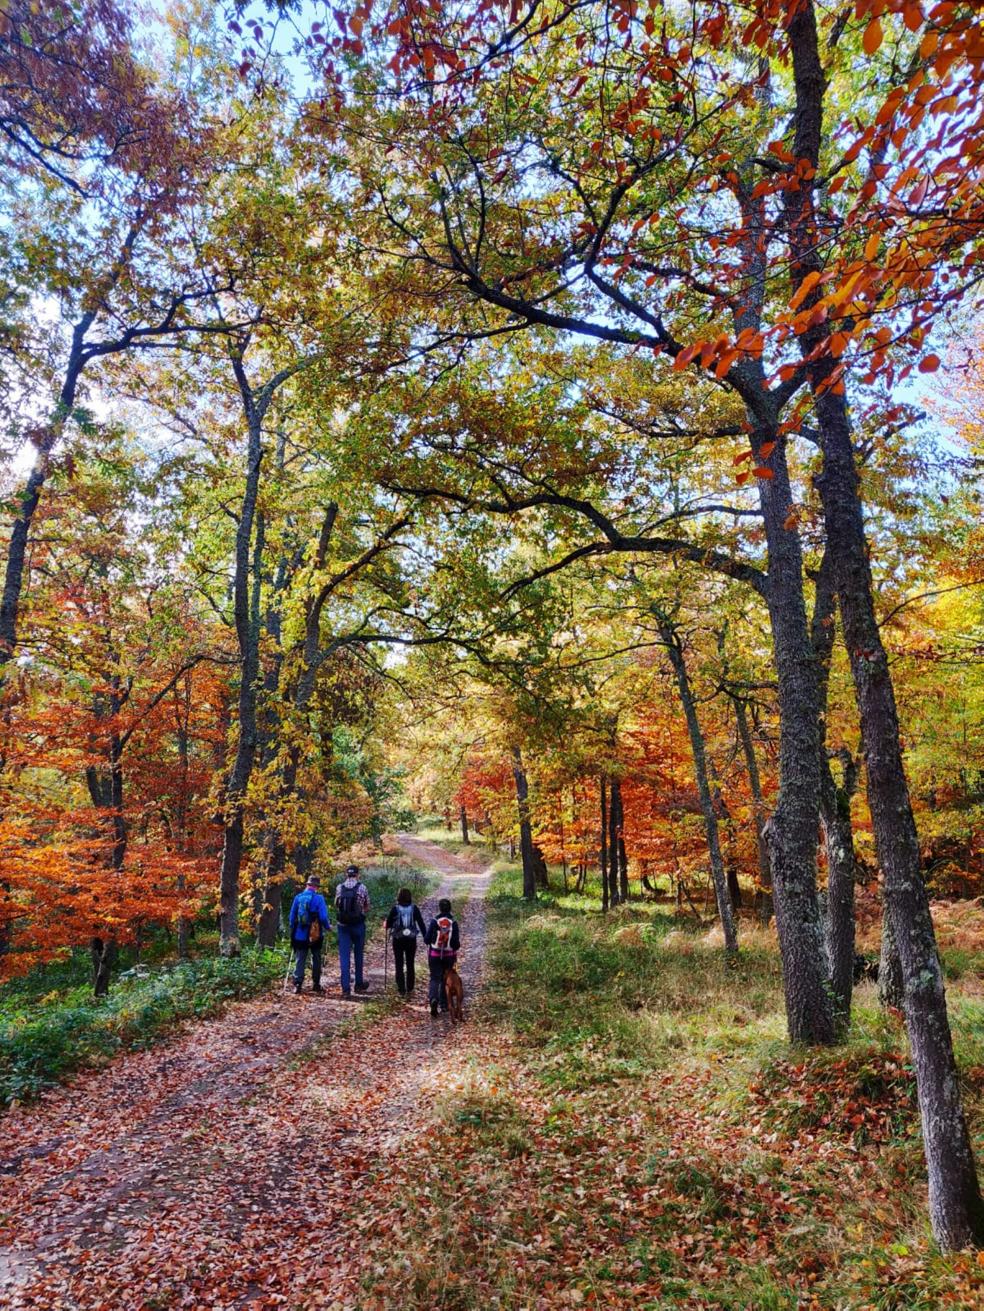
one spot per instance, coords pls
(443, 938)
(307, 911)
(351, 907)
(404, 922)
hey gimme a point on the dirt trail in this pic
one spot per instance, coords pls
(227, 1168)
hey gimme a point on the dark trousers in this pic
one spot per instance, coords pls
(301, 950)
(436, 990)
(404, 951)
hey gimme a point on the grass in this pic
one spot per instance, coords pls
(40, 1045)
(633, 1129)
(433, 829)
(51, 1025)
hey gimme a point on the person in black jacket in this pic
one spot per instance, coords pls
(443, 938)
(404, 922)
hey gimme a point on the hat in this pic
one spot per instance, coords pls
(313, 880)
(351, 870)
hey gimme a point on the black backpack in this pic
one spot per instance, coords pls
(348, 907)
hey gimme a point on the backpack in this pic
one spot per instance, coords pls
(308, 924)
(404, 928)
(442, 943)
(347, 905)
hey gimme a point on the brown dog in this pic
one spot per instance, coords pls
(455, 992)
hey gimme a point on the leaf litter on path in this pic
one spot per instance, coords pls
(238, 1166)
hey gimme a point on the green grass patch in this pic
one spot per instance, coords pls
(434, 830)
(605, 997)
(42, 1046)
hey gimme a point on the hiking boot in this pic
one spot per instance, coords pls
(434, 1009)
(297, 989)
(317, 988)
(346, 993)
(362, 987)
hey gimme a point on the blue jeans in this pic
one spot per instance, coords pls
(351, 937)
(301, 950)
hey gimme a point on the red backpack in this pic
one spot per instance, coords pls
(442, 943)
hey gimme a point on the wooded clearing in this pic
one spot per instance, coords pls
(527, 454)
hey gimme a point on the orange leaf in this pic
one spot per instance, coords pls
(871, 246)
(873, 37)
(763, 472)
(929, 364)
(804, 289)
(766, 449)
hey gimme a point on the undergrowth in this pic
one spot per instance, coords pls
(40, 1046)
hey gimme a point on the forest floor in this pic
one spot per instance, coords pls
(232, 1166)
(620, 1123)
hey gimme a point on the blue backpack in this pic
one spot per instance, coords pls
(308, 923)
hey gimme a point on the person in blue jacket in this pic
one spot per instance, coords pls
(309, 923)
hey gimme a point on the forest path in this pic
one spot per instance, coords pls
(228, 1167)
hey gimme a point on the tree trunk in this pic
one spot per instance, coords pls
(604, 845)
(540, 868)
(730, 851)
(463, 813)
(619, 858)
(248, 637)
(525, 830)
(675, 651)
(955, 1205)
(891, 986)
(764, 895)
(20, 532)
(835, 811)
(183, 714)
(105, 787)
(793, 830)
(103, 952)
(614, 896)
(268, 922)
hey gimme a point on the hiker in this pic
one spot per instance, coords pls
(351, 905)
(309, 923)
(443, 939)
(404, 921)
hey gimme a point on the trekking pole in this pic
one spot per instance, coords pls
(386, 958)
(290, 961)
